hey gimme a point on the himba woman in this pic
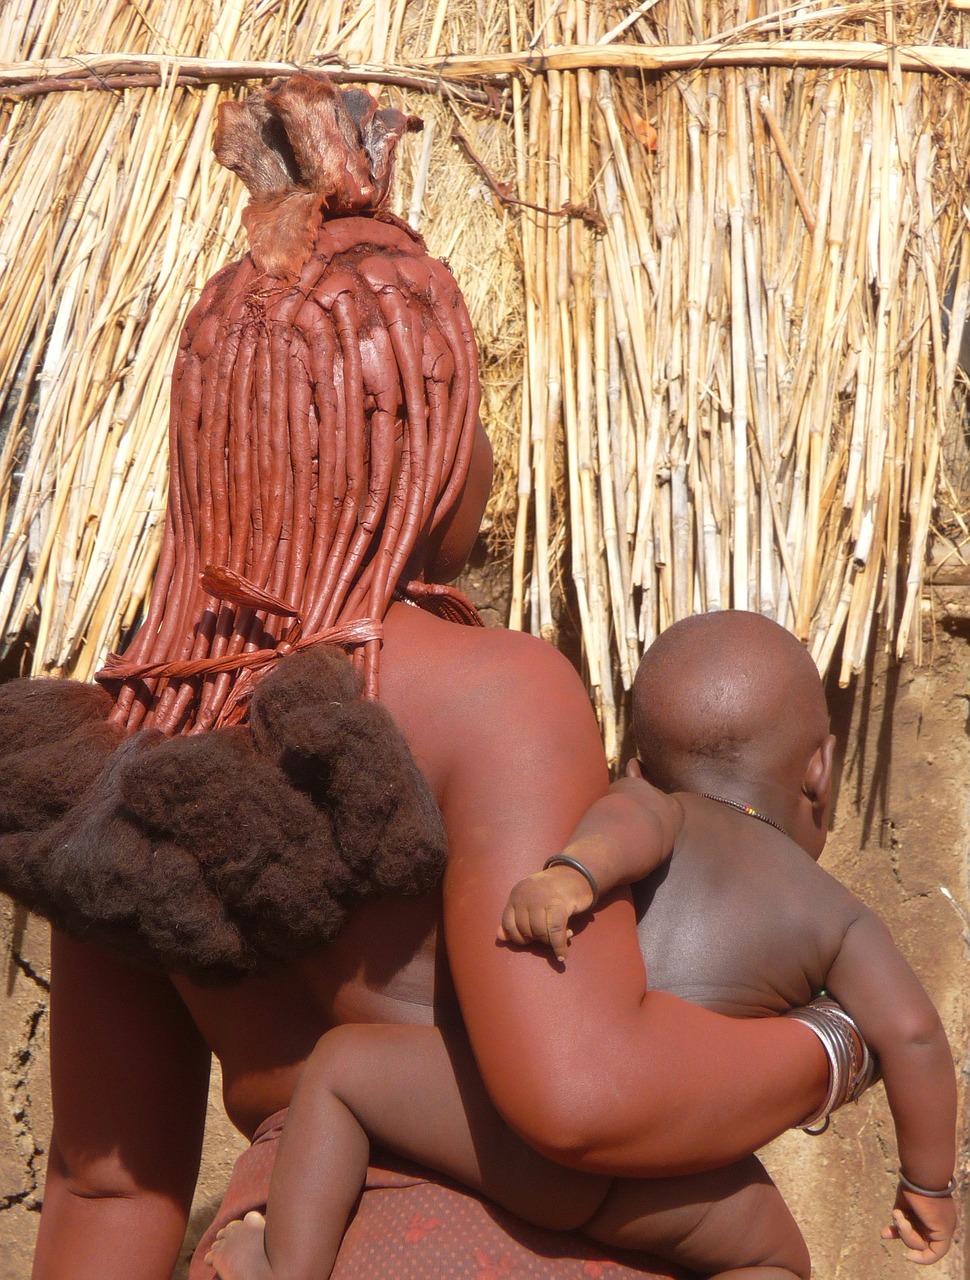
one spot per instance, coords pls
(328, 470)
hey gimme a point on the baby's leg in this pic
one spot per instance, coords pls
(418, 1094)
(730, 1222)
(320, 1168)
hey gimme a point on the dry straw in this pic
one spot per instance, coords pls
(716, 373)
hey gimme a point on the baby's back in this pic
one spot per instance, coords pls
(740, 919)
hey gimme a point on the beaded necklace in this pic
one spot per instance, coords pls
(746, 808)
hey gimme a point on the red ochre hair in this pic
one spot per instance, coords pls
(324, 404)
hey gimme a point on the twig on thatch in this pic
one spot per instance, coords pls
(788, 162)
(502, 190)
(116, 72)
(96, 70)
(867, 55)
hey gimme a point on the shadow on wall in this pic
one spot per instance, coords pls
(948, 299)
(871, 778)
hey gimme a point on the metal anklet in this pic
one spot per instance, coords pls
(564, 860)
(916, 1189)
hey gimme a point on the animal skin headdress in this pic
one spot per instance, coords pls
(324, 403)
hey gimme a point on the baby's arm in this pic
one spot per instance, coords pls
(620, 839)
(876, 986)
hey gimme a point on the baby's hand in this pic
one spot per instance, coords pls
(539, 908)
(925, 1224)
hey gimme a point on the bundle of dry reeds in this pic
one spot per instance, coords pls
(112, 216)
(705, 249)
(750, 363)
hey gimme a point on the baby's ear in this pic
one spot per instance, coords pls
(818, 776)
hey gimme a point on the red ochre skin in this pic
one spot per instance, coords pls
(738, 918)
(502, 729)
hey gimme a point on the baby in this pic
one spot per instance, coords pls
(735, 915)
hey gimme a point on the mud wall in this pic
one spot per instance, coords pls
(901, 835)
(901, 832)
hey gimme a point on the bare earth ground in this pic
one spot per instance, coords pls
(901, 832)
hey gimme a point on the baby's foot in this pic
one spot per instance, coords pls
(238, 1253)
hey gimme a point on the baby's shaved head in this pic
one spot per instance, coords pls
(726, 694)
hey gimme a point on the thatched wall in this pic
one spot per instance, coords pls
(705, 251)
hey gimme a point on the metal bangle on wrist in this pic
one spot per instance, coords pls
(564, 860)
(935, 1194)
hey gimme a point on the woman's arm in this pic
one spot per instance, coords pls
(129, 1078)
(586, 1064)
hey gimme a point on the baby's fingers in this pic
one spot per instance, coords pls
(524, 921)
(510, 929)
(556, 931)
(907, 1232)
(920, 1248)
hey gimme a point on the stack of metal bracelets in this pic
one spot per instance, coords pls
(849, 1073)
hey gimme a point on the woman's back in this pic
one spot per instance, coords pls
(447, 687)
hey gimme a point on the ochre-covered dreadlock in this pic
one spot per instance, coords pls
(324, 404)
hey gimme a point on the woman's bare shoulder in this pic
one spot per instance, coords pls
(497, 677)
(488, 703)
